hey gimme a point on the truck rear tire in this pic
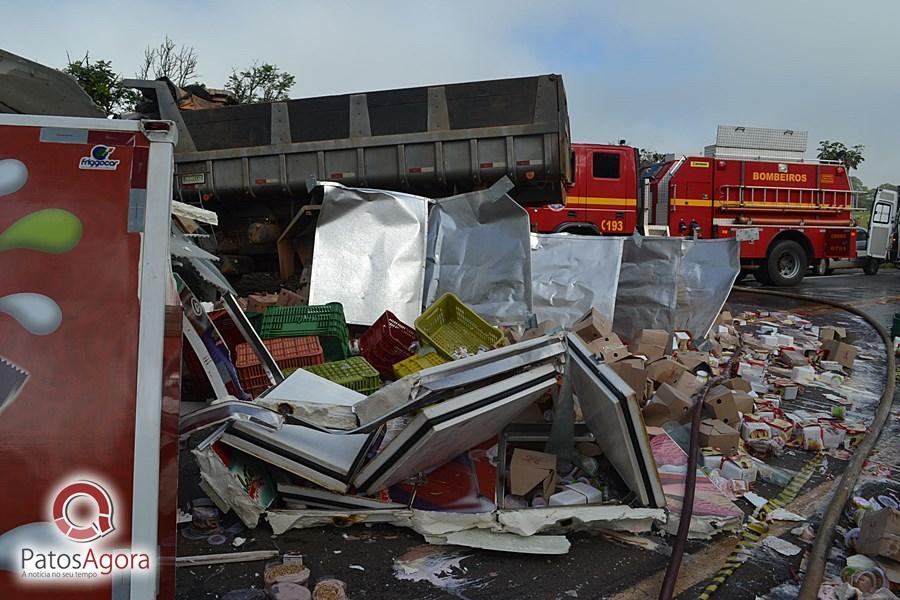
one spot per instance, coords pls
(871, 266)
(786, 264)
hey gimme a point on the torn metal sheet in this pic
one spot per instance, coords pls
(479, 250)
(572, 273)
(200, 263)
(612, 414)
(444, 430)
(369, 253)
(433, 384)
(201, 215)
(674, 284)
(227, 411)
(326, 459)
(251, 336)
(707, 270)
(313, 399)
(646, 297)
(503, 542)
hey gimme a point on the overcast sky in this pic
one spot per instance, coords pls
(661, 75)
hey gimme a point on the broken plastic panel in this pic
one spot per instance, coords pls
(442, 431)
(326, 459)
(441, 382)
(369, 253)
(319, 498)
(224, 412)
(612, 414)
(479, 250)
(313, 399)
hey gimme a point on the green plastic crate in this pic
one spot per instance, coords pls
(414, 364)
(354, 373)
(449, 324)
(326, 321)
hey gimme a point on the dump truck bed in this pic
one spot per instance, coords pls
(436, 140)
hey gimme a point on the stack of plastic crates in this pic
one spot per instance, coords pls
(354, 373)
(386, 342)
(288, 352)
(325, 321)
(414, 364)
(449, 326)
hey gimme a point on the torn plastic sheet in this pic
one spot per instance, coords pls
(434, 383)
(369, 253)
(222, 487)
(674, 284)
(522, 522)
(572, 273)
(479, 250)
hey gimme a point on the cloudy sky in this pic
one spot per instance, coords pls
(659, 74)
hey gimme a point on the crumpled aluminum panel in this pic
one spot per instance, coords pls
(708, 269)
(646, 297)
(370, 253)
(572, 273)
(479, 250)
(674, 284)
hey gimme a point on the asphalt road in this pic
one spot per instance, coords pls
(595, 567)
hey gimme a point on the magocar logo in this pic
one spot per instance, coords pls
(83, 511)
(99, 159)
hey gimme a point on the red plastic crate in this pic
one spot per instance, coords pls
(388, 341)
(288, 352)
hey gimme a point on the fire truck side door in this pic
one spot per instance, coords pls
(884, 212)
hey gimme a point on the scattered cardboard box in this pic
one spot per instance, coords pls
(632, 371)
(829, 333)
(743, 401)
(652, 343)
(528, 469)
(258, 303)
(793, 358)
(609, 351)
(665, 370)
(841, 352)
(689, 384)
(667, 404)
(592, 325)
(716, 434)
(738, 384)
(289, 298)
(695, 361)
(720, 403)
(880, 534)
(542, 329)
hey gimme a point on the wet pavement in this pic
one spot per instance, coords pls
(595, 567)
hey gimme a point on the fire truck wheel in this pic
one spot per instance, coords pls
(871, 266)
(762, 276)
(787, 263)
(822, 267)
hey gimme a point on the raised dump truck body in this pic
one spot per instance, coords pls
(252, 162)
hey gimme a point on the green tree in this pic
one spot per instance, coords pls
(850, 157)
(260, 83)
(648, 157)
(98, 79)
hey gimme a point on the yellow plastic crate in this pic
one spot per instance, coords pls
(414, 364)
(448, 325)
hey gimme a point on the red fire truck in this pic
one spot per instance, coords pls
(790, 213)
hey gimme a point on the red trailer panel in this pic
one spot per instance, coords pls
(89, 370)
